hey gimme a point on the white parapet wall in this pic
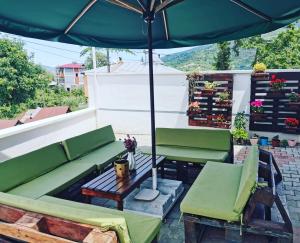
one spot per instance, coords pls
(122, 100)
(24, 138)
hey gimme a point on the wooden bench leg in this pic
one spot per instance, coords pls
(233, 236)
(191, 233)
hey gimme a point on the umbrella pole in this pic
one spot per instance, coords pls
(152, 106)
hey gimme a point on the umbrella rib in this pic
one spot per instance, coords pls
(78, 17)
(126, 5)
(252, 10)
(165, 22)
(141, 3)
(166, 4)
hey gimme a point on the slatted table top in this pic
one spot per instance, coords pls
(108, 183)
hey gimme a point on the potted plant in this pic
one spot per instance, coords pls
(257, 110)
(254, 139)
(121, 166)
(240, 120)
(291, 124)
(130, 144)
(194, 108)
(294, 101)
(284, 143)
(259, 67)
(240, 135)
(221, 121)
(275, 141)
(264, 141)
(209, 88)
(224, 99)
(292, 142)
(276, 87)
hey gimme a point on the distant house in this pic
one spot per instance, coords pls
(35, 115)
(70, 75)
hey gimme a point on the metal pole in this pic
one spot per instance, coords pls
(152, 106)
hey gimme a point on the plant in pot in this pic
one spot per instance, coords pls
(259, 67)
(194, 108)
(254, 139)
(257, 110)
(121, 166)
(221, 121)
(284, 143)
(291, 124)
(224, 99)
(240, 121)
(276, 86)
(292, 142)
(130, 144)
(275, 141)
(294, 101)
(209, 88)
(240, 135)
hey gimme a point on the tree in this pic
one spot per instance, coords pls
(222, 60)
(20, 78)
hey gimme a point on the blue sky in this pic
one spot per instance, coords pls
(53, 53)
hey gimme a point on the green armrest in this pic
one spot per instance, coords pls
(142, 229)
(54, 181)
(213, 193)
(194, 138)
(87, 142)
(80, 215)
(195, 155)
(29, 166)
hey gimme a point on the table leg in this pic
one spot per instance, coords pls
(162, 172)
(87, 199)
(120, 205)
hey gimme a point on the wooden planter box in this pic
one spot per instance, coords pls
(222, 124)
(292, 129)
(276, 94)
(225, 103)
(293, 106)
(258, 116)
(193, 113)
(208, 92)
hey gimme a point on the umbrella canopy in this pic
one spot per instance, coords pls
(120, 23)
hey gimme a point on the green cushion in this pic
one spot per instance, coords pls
(195, 155)
(197, 138)
(142, 229)
(248, 179)
(106, 220)
(82, 144)
(103, 155)
(26, 167)
(54, 181)
(214, 192)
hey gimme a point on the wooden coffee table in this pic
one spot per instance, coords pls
(108, 185)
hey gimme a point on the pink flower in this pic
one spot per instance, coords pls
(256, 103)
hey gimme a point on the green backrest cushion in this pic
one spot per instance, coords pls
(26, 167)
(248, 179)
(82, 144)
(197, 138)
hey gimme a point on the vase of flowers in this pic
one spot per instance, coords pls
(291, 124)
(276, 87)
(194, 108)
(259, 67)
(224, 99)
(257, 110)
(130, 144)
(209, 88)
(294, 101)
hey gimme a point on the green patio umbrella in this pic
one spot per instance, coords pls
(145, 24)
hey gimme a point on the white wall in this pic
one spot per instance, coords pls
(24, 138)
(123, 100)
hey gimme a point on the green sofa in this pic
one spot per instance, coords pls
(28, 181)
(193, 145)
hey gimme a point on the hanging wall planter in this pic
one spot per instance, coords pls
(258, 116)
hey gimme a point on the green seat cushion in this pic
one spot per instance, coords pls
(81, 215)
(103, 155)
(82, 144)
(196, 155)
(195, 138)
(142, 229)
(214, 192)
(248, 179)
(24, 168)
(54, 181)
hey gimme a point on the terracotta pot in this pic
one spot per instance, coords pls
(122, 168)
(292, 142)
(254, 141)
(275, 143)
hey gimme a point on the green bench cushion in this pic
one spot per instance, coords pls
(54, 181)
(87, 142)
(214, 192)
(195, 155)
(103, 155)
(248, 179)
(26, 167)
(81, 215)
(197, 138)
(142, 229)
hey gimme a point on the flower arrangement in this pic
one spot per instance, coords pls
(220, 118)
(294, 97)
(210, 85)
(257, 106)
(130, 143)
(291, 122)
(277, 84)
(259, 67)
(194, 106)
